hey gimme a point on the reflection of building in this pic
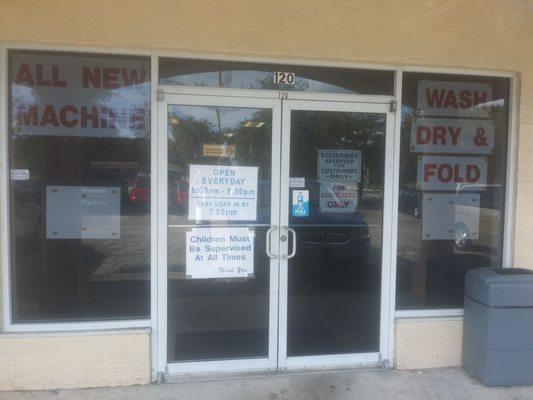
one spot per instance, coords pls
(442, 184)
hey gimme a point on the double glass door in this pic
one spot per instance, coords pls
(271, 251)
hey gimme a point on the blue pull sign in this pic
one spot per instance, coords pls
(300, 203)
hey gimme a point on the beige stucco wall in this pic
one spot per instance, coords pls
(428, 343)
(481, 34)
(52, 361)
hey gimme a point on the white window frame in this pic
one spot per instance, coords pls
(70, 326)
(510, 196)
(510, 193)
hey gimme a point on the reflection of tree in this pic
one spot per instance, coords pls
(408, 159)
(337, 130)
(252, 140)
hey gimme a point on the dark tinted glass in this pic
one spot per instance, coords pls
(452, 184)
(79, 159)
(334, 280)
(217, 314)
(226, 74)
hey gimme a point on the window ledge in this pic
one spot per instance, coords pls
(432, 313)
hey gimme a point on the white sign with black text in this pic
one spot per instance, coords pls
(220, 253)
(339, 165)
(222, 193)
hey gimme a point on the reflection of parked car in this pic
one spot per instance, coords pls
(338, 235)
(140, 191)
(410, 202)
(182, 195)
(477, 214)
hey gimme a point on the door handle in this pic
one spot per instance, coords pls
(293, 253)
(268, 234)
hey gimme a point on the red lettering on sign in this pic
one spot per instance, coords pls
(438, 135)
(429, 170)
(423, 134)
(63, 116)
(49, 117)
(466, 98)
(91, 76)
(447, 98)
(455, 134)
(435, 97)
(472, 173)
(133, 78)
(27, 116)
(446, 173)
(450, 100)
(110, 78)
(24, 76)
(39, 80)
(93, 116)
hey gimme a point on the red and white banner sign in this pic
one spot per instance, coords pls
(65, 95)
(445, 135)
(451, 173)
(454, 99)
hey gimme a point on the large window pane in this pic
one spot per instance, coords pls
(79, 159)
(452, 184)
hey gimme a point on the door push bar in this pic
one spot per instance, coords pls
(293, 253)
(268, 234)
(283, 238)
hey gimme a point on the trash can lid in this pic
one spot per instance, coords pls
(500, 287)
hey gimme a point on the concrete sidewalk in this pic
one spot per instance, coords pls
(440, 384)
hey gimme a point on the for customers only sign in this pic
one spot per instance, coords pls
(445, 135)
(222, 193)
(448, 173)
(339, 165)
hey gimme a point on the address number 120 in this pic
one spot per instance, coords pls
(285, 78)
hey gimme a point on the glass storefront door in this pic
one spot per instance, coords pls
(271, 234)
(333, 190)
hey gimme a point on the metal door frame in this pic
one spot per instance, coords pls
(338, 360)
(236, 365)
(281, 107)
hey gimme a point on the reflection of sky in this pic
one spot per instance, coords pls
(129, 98)
(249, 80)
(230, 117)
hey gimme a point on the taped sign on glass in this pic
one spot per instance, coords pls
(85, 96)
(454, 99)
(338, 197)
(220, 253)
(339, 165)
(222, 193)
(451, 173)
(445, 135)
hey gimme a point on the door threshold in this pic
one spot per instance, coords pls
(259, 374)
